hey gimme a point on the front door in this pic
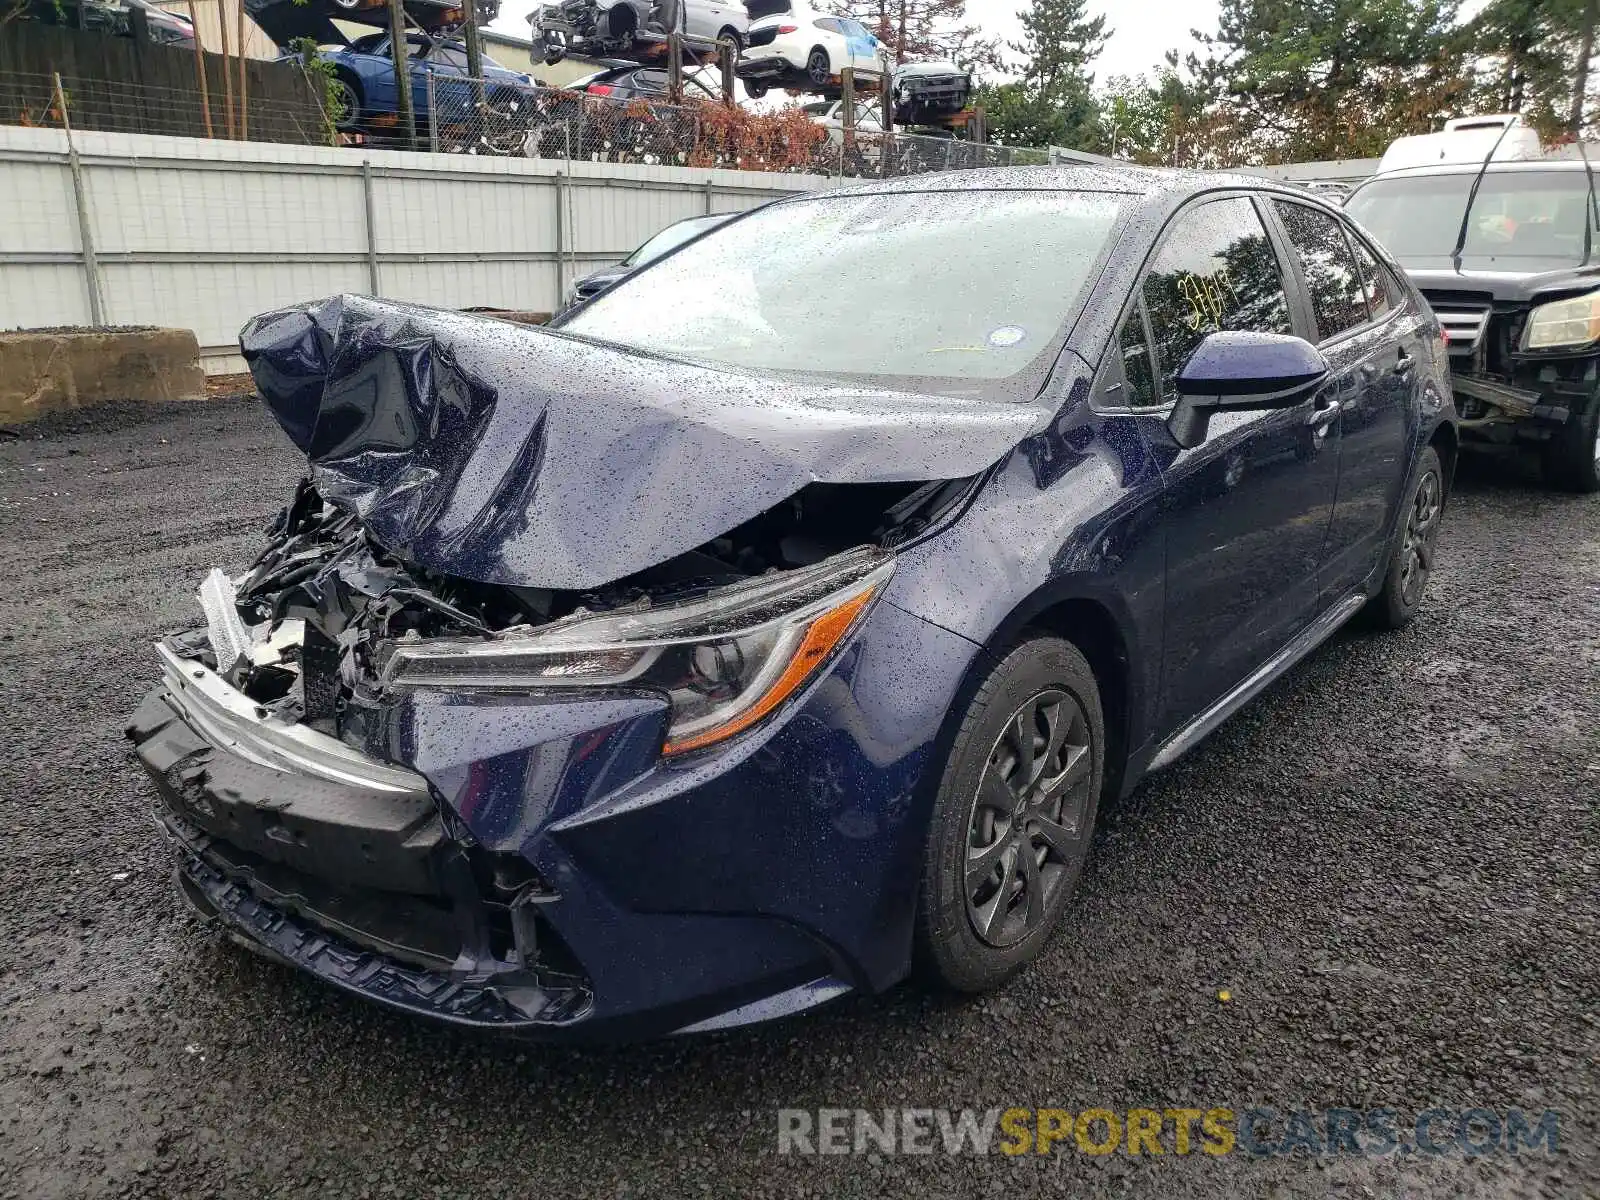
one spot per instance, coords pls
(1247, 510)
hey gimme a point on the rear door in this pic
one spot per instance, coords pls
(1247, 510)
(1373, 357)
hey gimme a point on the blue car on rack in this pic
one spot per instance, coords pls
(744, 640)
(364, 81)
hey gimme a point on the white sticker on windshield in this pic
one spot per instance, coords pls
(1007, 335)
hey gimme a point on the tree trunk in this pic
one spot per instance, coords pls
(1519, 73)
(1580, 85)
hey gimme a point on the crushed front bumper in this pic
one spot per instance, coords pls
(358, 884)
(529, 862)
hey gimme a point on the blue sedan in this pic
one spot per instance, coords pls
(365, 88)
(744, 641)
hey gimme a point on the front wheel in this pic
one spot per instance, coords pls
(1411, 557)
(345, 102)
(1572, 458)
(818, 69)
(755, 89)
(1012, 821)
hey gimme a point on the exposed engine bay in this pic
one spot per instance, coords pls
(325, 604)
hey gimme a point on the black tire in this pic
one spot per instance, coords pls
(1572, 457)
(346, 92)
(818, 68)
(1405, 577)
(730, 34)
(755, 89)
(982, 915)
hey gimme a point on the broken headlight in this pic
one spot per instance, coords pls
(725, 659)
(1574, 322)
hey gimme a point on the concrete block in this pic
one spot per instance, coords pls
(49, 370)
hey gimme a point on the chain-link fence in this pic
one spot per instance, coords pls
(466, 116)
(121, 107)
(458, 115)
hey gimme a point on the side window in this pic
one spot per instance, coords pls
(1215, 271)
(1337, 296)
(1135, 347)
(1382, 296)
(831, 24)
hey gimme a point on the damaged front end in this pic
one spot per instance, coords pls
(499, 784)
(272, 734)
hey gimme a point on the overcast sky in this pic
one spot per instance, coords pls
(1144, 29)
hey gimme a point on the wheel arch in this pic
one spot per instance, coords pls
(622, 18)
(1446, 442)
(352, 78)
(1090, 626)
(1098, 626)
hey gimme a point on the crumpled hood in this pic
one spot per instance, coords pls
(514, 455)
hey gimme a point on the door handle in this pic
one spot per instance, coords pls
(1326, 410)
(1404, 364)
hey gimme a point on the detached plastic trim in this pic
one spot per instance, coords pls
(230, 720)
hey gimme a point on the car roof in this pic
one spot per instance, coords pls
(1150, 182)
(1495, 168)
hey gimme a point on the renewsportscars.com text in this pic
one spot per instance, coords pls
(1216, 1131)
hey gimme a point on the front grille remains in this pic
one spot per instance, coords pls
(1464, 328)
(1464, 315)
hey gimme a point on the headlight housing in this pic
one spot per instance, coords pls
(1561, 323)
(725, 659)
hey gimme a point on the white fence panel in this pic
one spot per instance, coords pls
(204, 234)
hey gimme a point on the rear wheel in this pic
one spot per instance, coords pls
(1572, 458)
(755, 89)
(1411, 558)
(818, 69)
(1011, 825)
(731, 35)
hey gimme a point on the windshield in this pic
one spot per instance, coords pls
(1516, 215)
(965, 293)
(672, 237)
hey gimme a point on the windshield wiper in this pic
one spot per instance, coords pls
(1472, 195)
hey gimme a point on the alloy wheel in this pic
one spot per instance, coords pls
(342, 98)
(817, 67)
(1422, 530)
(1028, 818)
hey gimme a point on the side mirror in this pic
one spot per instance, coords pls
(1230, 372)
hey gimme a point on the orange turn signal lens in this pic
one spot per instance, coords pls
(821, 638)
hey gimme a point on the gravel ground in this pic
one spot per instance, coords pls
(1390, 862)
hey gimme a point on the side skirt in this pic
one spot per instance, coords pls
(1258, 681)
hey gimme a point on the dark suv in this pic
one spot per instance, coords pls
(1508, 263)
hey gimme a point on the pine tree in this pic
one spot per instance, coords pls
(1060, 42)
(1053, 102)
(920, 30)
(1318, 79)
(1536, 53)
